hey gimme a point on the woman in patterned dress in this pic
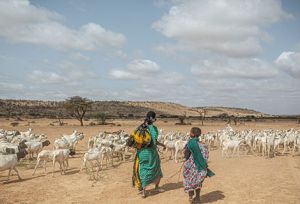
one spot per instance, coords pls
(195, 166)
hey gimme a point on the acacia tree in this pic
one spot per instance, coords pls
(182, 119)
(77, 107)
(202, 113)
(225, 117)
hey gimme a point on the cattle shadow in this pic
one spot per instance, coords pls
(212, 197)
(22, 180)
(71, 172)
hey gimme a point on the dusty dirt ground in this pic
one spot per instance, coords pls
(244, 179)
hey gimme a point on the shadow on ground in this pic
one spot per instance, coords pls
(164, 188)
(22, 180)
(212, 197)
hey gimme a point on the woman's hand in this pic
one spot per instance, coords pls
(161, 144)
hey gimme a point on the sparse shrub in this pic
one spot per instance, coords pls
(130, 115)
(101, 118)
(14, 124)
(19, 119)
(92, 124)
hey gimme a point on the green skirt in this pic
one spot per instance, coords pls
(149, 165)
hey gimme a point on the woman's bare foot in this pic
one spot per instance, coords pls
(143, 193)
(197, 200)
(159, 189)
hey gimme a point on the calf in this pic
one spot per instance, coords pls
(93, 154)
(36, 147)
(51, 155)
(10, 161)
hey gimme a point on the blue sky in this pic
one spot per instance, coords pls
(195, 52)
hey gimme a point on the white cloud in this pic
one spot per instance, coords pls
(122, 74)
(75, 72)
(21, 21)
(38, 76)
(66, 72)
(235, 68)
(290, 63)
(139, 68)
(166, 86)
(10, 88)
(171, 78)
(144, 66)
(79, 57)
(232, 28)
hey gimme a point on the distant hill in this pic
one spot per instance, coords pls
(52, 109)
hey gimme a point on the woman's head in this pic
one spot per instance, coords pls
(195, 132)
(150, 117)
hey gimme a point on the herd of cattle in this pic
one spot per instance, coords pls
(104, 147)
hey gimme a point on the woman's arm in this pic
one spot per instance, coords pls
(161, 144)
(187, 153)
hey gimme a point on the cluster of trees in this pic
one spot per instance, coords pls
(77, 107)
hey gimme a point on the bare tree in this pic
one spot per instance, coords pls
(235, 120)
(59, 118)
(202, 113)
(77, 107)
(182, 119)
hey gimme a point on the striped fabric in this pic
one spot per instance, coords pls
(149, 161)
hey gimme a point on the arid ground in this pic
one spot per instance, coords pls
(244, 179)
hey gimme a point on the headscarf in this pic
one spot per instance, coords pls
(150, 118)
(200, 162)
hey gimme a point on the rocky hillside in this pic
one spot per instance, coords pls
(53, 109)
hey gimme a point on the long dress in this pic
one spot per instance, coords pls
(147, 165)
(192, 177)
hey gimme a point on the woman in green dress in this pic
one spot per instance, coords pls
(147, 168)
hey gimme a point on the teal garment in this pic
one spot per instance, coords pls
(193, 146)
(149, 161)
(197, 155)
(154, 133)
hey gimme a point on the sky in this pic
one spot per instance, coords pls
(238, 53)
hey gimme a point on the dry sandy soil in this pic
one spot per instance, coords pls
(244, 179)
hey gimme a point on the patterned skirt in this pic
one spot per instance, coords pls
(192, 178)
